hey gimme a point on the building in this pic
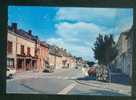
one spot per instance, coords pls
(21, 49)
(123, 61)
(42, 54)
(11, 49)
(129, 53)
(55, 57)
(26, 52)
(60, 58)
(122, 49)
(68, 61)
(79, 61)
(71, 61)
(65, 60)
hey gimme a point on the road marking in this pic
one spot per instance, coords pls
(67, 89)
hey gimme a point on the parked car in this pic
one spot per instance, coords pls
(76, 67)
(10, 72)
(49, 68)
(92, 71)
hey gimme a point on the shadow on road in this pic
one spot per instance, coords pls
(98, 92)
(120, 79)
(87, 78)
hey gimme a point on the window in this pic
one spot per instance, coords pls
(22, 49)
(28, 51)
(9, 47)
(10, 62)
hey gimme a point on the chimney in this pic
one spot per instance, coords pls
(30, 32)
(14, 27)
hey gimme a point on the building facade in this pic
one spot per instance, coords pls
(60, 58)
(26, 52)
(55, 57)
(42, 55)
(22, 45)
(11, 50)
(123, 61)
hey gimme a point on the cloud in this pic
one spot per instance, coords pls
(108, 17)
(56, 41)
(77, 28)
(77, 38)
(76, 50)
(85, 14)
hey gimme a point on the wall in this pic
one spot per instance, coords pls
(124, 58)
(51, 59)
(58, 62)
(43, 56)
(26, 43)
(12, 37)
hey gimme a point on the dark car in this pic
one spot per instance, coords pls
(76, 67)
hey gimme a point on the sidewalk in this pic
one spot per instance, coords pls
(120, 78)
(117, 76)
(122, 89)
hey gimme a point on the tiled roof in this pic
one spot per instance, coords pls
(58, 51)
(54, 50)
(23, 33)
(43, 43)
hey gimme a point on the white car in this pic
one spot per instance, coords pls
(10, 72)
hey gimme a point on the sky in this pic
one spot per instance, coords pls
(73, 28)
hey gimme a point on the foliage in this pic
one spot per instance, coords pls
(104, 49)
(90, 63)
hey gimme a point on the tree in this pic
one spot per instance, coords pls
(90, 63)
(104, 49)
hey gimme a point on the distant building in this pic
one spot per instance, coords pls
(79, 61)
(55, 58)
(60, 58)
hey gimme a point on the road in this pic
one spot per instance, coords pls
(64, 81)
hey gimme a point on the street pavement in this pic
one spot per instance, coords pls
(63, 81)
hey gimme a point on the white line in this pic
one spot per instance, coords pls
(67, 89)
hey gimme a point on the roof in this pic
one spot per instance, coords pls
(128, 32)
(23, 34)
(43, 43)
(54, 50)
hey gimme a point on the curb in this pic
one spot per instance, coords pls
(117, 91)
